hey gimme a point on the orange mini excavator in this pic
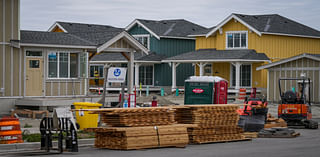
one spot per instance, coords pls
(295, 105)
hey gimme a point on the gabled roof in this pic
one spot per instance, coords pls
(209, 55)
(201, 32)
(304, 55)
(270, 24)
(179, 28)
(98, 34)
(52, 38)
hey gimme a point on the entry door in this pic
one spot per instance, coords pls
(34, 76)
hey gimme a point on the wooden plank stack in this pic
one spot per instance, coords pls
(273, 122)
(134, 117)
(139, 128)
(215, 123)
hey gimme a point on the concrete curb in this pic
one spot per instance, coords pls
(33, 146)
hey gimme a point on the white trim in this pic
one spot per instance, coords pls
(4, 43)
(213, 60)
(230, 17)
(56, 24)
(268, 85)
(12, 4)
(291, 35)
(20, 62)
(172, 37)
(102, 62)
(24, 72)
(135, 43)
(143, 36)
(18, 20)
(233, 32)
(197, 35)
(44, 66)
(58, 46)
(11, 71)
(288, 60)
(136, 21)
(3, 47)
(296, 68)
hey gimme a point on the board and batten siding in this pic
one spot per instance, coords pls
(294, 69)
(168, 47)
(276, 47)
(11, 59)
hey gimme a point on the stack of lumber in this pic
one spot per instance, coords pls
(126, 138)
(134, 117)
(215, 123)
(139, 128)
(273, 122)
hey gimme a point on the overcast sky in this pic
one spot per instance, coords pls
(41, 14)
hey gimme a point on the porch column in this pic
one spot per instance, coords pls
(174, 74)
(136, 75)
(237, 65)
(130, 70)
(201, 69)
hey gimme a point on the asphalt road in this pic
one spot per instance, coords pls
(308, 144)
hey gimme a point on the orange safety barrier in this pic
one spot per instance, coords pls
(10, 131)
(242, 93)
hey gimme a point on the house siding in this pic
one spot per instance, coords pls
(290, 70)
(10, 64)
(169, 47)
(276, 47)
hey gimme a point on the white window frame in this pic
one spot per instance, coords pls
(58, 65)
(231, 76)
(141, 36)
(233, 32)
(152, 74)
(96, 65)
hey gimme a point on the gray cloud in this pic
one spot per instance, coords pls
(41, 14)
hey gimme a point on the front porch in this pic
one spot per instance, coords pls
(236, 66)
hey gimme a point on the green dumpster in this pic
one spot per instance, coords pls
(199, 90)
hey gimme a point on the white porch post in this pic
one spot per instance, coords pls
(174, 74)
(237, 65)
(201, 69)
(173, 66)
(136, 75)
(131, 67)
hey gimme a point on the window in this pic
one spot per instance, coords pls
(34, 63)
(98, 68)
(207, 70)
(237, 39)
(245, 75)
(34, 53)
(143, 39)
(146, 75)
(66, 65)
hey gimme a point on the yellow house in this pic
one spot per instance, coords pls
(273, 35)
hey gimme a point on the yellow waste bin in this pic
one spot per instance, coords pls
(84, 118)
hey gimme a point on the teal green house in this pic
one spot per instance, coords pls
(165, 38)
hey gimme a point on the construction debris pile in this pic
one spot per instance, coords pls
(215, 123)
(138, 128)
